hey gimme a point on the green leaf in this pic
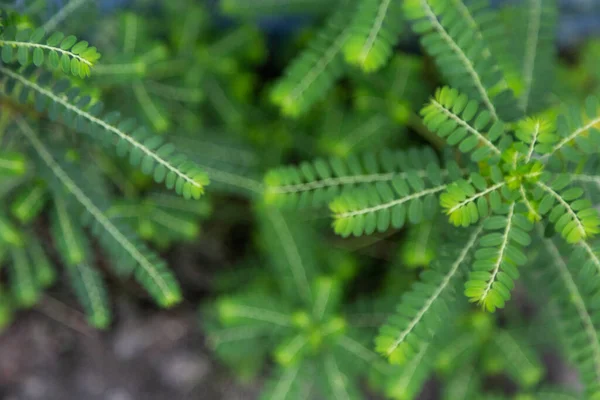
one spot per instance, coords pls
(12, 164)
(574, 218)
(91, 292)
(55, 51)
(314, 71)
(428, 304)
(522, 363)
(291, 187)
(24, 286)
(381, 205)
(9, 233)
(533, 45)
(465, 203)
(470, 63)
(375, 28)
(450, 115)
(117, 239)
(38, 57)
(184, 176)
(29, 202)
(574, 286)
(495, 268)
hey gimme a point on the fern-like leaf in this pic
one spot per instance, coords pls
(290, 248)
(151, 153)
(425, 307)
(420, 245)
(327, 295)
(73, 245)
(378, 206)
(466, 201)
(29, 202)
(464, 384)
(574, 217)
(24, 286)
(522, 364)
(75, 252)
(292, 383)
(407, 382)
(91, 292)
(374, 31)
(578, 132)
(336, 384)
(533, 133)
(45, 272)
(128, 252)
(496, 260)
(464, 57)
(57, 51)
(452, 116)
(314, 72)
(254, 312)
(316, 183)
(354, 351)
(456, 350)
(533, 30)
(573, 288)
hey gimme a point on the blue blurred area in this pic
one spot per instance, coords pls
(55, 5)
(578, 18)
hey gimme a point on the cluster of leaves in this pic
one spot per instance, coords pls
(512, 180)
(434, 193)
(319, 344)
(59, 143)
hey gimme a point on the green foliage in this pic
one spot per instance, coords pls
(462, 185)
(316, 69)
(129, 253)
(404, 196)
(426, 306)
(523, 364)
(243, 9)
(74, 249)
(572, 283)
(47, 169)
(149, 152)
(376, 208)
(458, 120)
(532, 44)
(298, 321)
(314, 184)
(13, 164)
(455, 34)
(420, 245)
(56, 51)
(162, 218)
(500, 253)
(375, 27)
(530, 159)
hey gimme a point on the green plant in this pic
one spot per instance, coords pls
(292, 308)
(521, 156)
(42, 165)
(489, 189)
